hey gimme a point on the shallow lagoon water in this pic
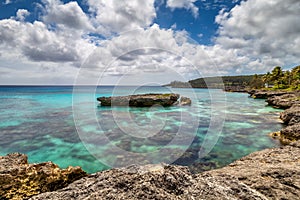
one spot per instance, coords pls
(39, 121)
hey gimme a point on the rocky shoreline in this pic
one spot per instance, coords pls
(268, 174)
(290, 101)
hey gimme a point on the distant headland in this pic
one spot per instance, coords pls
(274, 80)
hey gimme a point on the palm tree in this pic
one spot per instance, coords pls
(277, 75)
(267, 78)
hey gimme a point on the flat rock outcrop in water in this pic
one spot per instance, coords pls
(264, 94)
(284, 101)
(20, 180)
(268, 174)
(144, 100)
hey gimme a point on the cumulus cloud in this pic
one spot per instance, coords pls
(152, 52)
(22, 14)
(36, 42)
(69, 15)
(186, 4)
(118, 16)
(252, 38)
(266, 30)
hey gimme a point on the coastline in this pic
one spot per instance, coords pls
(244, 178)
(290, 102)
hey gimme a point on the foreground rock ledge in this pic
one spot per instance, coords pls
(20, 180)
(268, 174)
(145, 100)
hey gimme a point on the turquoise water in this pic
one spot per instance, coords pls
(40, 122)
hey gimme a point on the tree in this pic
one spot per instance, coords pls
(287, 78)
(267, 78)
(276, 76)
(256, 82)
(295, 74)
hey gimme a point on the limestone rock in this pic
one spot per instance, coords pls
(140, 100)
(264, 94)
(185, 101)
(20, 180)
(268, 174)
(291, 116)
(273, 173)
(283, 101)
(290, 133)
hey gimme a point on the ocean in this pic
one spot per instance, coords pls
(67, 126)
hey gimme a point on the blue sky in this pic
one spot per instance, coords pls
(140, 42)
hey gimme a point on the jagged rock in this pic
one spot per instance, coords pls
(20, 180)
(291, 116)
(290, 133)
(283, 101)
(268, 174)
(141, 100)
(185, 101)
(264, 94)
(273, 173)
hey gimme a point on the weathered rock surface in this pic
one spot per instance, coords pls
(268, 174)
(290, 134)
(274, 173)
(264, 94)
(283, 101)
(291, 116)
(142, 100)
(145, 100)
(184, 101)
(20, 180)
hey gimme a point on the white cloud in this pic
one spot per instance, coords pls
(69, 15)
(118, 16)
(22, 14)
(266, 30)
(37, 43)
(7, 2)
(186, 4)
(253, 37)
(200, 35)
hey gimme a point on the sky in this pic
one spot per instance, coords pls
(140, 42)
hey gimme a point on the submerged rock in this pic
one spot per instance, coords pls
(268, 174)
(20, 180)
(144, 100)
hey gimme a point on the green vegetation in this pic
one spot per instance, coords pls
(279, 79)
(215, 82)
(276, 79)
